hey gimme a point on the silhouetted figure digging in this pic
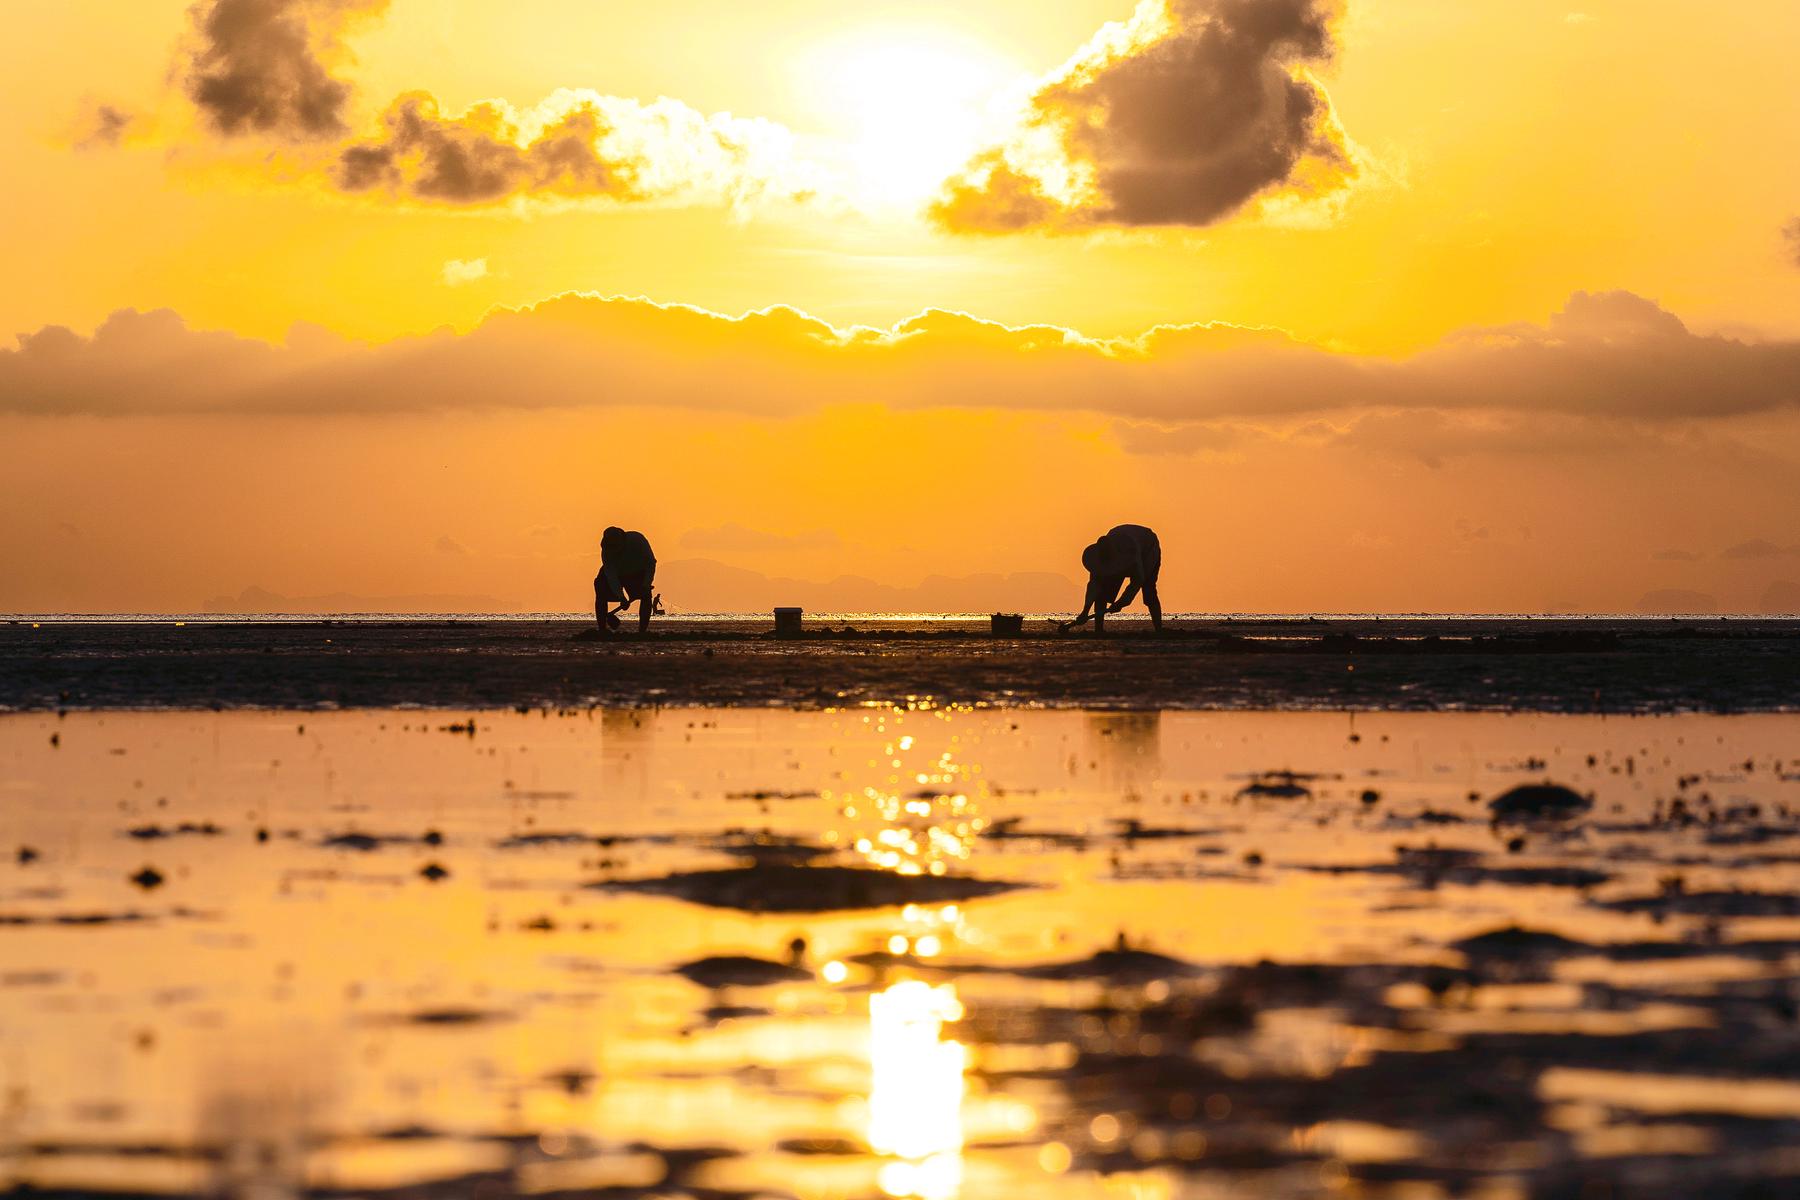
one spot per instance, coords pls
(627, 576)
(1127, 556)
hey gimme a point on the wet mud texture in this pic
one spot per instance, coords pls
(1547, 665)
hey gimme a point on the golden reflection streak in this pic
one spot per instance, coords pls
(919, 817)
(916, 1090)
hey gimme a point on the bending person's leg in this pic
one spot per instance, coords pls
(602, 604)
(1152, 570)
(1104, 598)
(646, 600)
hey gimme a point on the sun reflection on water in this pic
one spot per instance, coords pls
(918, 817)
(916, 1090)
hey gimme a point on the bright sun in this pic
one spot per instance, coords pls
(910, 106)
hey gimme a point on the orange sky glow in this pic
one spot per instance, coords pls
(1364, 305)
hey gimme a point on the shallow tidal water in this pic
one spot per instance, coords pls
(1002, 953)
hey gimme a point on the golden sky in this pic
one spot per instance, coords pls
(1371, 304)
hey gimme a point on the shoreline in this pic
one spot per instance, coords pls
(1360, 664)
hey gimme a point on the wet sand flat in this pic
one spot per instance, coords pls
(1397, 664)
(1058, 953)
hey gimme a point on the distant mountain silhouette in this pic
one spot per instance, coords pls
(706, 585)
(261, 600)
(1781, 596)
(1677, 602)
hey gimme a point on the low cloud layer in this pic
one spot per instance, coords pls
(1613, 356)
(1760, 548)
(486, 464)
(268, 67)
(1181, 116)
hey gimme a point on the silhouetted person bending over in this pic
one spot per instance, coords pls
(1127, 556)
(627, 576)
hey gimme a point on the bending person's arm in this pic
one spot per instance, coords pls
(608, 591)
(1094, 603)
(1100, 599)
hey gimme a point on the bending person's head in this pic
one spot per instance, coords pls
(1108, 556)
(1103, 581)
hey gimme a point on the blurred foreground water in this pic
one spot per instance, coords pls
(908, 952)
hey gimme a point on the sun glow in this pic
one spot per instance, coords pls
(910, 107)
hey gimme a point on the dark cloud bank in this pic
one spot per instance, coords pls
(267, 66)
(1181, 116)
(470, 160)
(273, 69)
(1192, 110)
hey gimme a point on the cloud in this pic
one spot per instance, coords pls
(1604, 366)
(1791, 234)
(1675, 556)
(1760, 548)
(458, 271)
(1180, 116)
(103, 127)
(269, 68)
(266, 66)
(449, 545)
(131, 362)
(1198, 437)
(1434, 436)
(577, 144)
(732, 538)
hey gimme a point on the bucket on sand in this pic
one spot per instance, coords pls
(1006, 624)
(787, 622)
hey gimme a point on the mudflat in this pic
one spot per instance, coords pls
(1388, 664)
